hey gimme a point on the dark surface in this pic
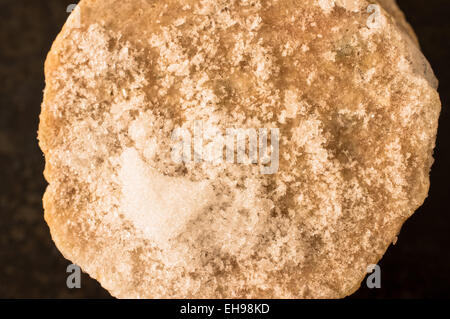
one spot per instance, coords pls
(31, 266)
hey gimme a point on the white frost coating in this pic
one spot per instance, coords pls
(158, 205)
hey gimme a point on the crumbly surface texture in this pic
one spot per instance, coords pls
(353, 98)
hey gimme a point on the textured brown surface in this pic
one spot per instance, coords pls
(354, 157)
(391, 7)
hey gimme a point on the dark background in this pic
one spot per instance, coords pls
(31, 266)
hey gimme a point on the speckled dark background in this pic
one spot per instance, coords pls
(31, 266)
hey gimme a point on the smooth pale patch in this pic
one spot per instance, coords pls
(328, 5)
(350, 5)
(156, 204)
